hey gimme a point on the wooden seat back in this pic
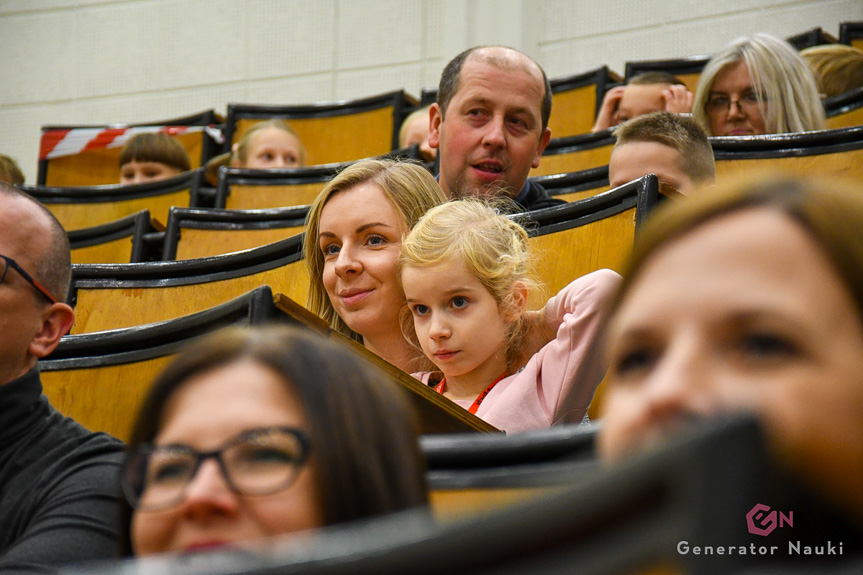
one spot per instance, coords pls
(244, 189)
(100, 379)
(576, 153)
(837, 153)
(851, 33)
(117, 242)
(203, 232)
(88, 206)
(331, 132)
(575, 186)
(100, 165)
(125, 295)
(687, 70)
(845, 110)
(598, 232)
(576, 99)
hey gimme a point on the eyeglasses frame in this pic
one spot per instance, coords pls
(17, 267)
(201, 456)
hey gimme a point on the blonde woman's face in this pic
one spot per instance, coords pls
(732, 105)
(360, 238)
(744, 313)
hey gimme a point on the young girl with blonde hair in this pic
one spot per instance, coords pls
(464, 271)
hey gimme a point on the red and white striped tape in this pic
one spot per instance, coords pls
(68, 142)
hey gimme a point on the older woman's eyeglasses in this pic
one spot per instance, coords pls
(6, 262)
(721, 103)
(256, 462)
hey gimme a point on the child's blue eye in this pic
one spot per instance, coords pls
(420, 309)
(459, 302)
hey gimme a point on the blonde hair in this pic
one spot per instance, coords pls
(241, 148)
(403, 130)
(837, 68)
(410, 188)
(491, 246)
(780, 79)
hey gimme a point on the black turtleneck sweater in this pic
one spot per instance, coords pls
(59, 496)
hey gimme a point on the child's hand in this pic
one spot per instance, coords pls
(678, 99)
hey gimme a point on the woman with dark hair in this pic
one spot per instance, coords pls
(259, 432)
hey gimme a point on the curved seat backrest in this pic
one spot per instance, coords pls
(88, 206)
(204, 232)
(851, 33)
(575, 186)
(94, 166)
(124, 295)
(331, 132)
(845, 110)
(688, 70)
(837, 153)
(100, 379)
(575, 153)
(245, 189)
(576, 100)
(117, 242)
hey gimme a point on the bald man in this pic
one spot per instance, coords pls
(490, 126)
(59, 496)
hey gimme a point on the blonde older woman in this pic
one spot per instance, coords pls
(757, 85)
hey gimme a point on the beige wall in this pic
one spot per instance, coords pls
(101, 61)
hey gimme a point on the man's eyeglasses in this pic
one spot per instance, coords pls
(720, 103)
(256, 462)
(6, 262)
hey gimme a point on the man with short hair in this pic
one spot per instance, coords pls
(490, 125)
(643, 94)
(672, 146)
(59, 499)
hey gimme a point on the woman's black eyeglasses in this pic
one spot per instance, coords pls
(256, 462)
(8, 262)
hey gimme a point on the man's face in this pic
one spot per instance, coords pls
(492, 134)
(633, 160)
(23, 232)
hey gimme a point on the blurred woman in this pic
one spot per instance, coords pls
(259, 432)
(749, 298)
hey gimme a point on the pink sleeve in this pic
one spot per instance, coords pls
(569, 368)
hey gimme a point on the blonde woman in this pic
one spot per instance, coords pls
(757, 85)
(353, 235)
